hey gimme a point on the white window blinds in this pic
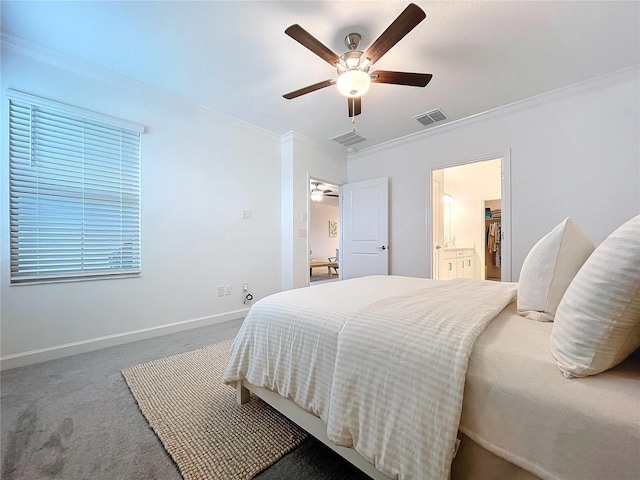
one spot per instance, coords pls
(74, 184)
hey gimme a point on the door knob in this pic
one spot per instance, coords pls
(383, 247)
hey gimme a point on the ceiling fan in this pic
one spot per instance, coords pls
(317, 193)
(353, 67)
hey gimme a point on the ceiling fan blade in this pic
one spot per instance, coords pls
(309, 89)
(406, 21)
(401, 78)
(305, 39)
(354, 104)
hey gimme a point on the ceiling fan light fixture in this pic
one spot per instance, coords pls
(316, 195)
(353, 83)
(353, 59)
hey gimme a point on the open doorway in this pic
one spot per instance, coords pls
(324, 232)
(467, 228)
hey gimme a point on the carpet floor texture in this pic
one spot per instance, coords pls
(75, 419)
(199, 422)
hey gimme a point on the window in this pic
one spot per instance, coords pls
(74, 186)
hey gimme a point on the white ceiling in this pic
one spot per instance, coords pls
(233, 56)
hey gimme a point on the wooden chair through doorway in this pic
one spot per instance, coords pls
(337, 264)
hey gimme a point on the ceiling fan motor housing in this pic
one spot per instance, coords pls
(352, 41)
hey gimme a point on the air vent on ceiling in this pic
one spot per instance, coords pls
(348, 139)
(431, 117)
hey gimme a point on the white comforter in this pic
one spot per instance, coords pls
(381, 360)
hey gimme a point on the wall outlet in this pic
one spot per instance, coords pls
(245, 287)
(220, 290)
(227, 289)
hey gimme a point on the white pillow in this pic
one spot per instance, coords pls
(549, 268)
(598, 321)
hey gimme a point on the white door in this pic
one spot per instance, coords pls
(365, 228)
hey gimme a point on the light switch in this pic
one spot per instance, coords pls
(246, 214)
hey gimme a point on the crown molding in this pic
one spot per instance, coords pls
(580, 88)
(326, 145)
(62, 61)
(90, 70)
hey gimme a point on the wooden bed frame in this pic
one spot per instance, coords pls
(309, 422)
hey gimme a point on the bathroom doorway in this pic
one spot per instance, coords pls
(460, 222)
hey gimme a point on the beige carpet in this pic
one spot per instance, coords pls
(208, 435)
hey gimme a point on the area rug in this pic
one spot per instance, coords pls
(208, 435)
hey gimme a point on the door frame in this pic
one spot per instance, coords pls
(436, 204)
(505, 157)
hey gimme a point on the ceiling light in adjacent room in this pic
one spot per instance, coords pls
(316, 195)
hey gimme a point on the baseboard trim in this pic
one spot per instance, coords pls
(59, 351)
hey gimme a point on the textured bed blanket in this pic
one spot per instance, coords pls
(288, 341)
(366, 355)
(399, 375)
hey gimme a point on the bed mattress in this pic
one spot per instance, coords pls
(519, 406)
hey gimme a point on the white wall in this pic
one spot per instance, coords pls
(199, 170)
(320, 213)
(574, 152)
(303, 159)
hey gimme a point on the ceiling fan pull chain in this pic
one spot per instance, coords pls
(353, 114)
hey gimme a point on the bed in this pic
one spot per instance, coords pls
(519, 417)
(423, 379)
